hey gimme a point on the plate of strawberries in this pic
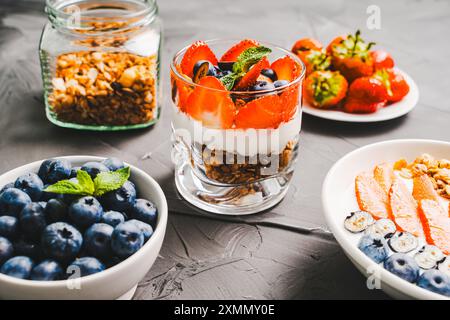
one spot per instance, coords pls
(350, 81)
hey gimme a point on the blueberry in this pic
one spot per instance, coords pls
(97, 240)
(436, 281)
(47, 270)
(269, 73)
(204, 68)
(86, 266)
(121, 199)
(43, 204)
(280, 83)
(403, 266)
(44, 169)
(32, 221)
(61, 241)
(7, 186)
(85, 212)
(59, 169)
(31, 184)
(374, 246)
(94, 168)
(74, 172)
(113, 218)
(127, 238)
(12, 201)
(6, 250)
(24, 247)
(9, 227)
(113, 164)
(18, 267)
(56, 210)
(262, 86)
(145, 211)
(146, 229)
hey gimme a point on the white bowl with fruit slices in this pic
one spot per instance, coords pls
(116, 282)
(339, 200)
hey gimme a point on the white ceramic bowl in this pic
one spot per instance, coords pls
(338, 199)
(112, 283)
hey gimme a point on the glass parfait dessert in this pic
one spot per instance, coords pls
(236, 124)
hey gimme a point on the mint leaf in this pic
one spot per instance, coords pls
(85, 181)
(229, 80)
(249, 57)
(110, 181)
(66, 187)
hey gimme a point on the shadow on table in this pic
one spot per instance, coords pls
(31, 126)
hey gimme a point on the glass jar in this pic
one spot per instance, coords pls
(245, 164)
(100, 62)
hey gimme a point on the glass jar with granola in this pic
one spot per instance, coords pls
(100, 63)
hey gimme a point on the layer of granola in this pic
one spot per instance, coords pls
(232, 168)
(104, 88)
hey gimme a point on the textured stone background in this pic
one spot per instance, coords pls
(286, 253)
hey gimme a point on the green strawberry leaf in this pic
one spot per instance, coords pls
(85, 181)
(110, 181)
(66, 187)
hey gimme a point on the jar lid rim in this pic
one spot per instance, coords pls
(56, 9)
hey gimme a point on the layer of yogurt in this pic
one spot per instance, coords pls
(245, 142)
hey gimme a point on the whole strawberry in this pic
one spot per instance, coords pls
(325, 89)
(395, 84)
(365, 95)
(350, 55)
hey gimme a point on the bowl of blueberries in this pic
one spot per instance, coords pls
(78, 227)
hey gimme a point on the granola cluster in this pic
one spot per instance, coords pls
(437, 170)
(104, 88)
(229, 168)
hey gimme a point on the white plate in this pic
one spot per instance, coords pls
(392, 111)
(338, 200)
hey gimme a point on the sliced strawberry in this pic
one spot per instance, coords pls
(180, 90)
(250, 78)
(365, 95)
(381, 59)
(286, 68)
(233, 53)
(199, 50)
(214, 108)
(290, 101)
(262, 113)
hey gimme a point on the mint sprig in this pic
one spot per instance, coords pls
(104, 182)
(243, 63)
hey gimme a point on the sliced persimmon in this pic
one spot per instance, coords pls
(371, 197)
(404, 209)
(384, 175)
(435, 223)
(424, 189)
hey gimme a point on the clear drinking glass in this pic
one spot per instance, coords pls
(100, 62)
(245, 168)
